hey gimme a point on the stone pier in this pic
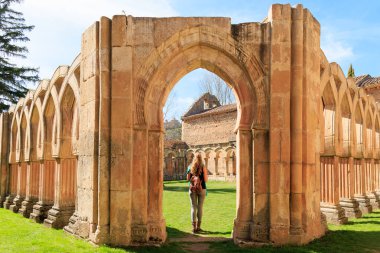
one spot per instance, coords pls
(84, 151)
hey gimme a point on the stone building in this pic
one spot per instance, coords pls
(208, 128)
(175, 160)
(84, 151)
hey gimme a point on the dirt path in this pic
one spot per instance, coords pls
(198, 243)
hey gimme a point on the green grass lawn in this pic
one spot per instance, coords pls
(219, 208)
(18, 234)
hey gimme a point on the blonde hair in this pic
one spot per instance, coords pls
(197, 164)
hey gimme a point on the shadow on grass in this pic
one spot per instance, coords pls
(186, 188)
(175, 233)
(206, 232)
(174, 182)
(220, 190)
(334, 241)
(363, 222)
(374, 214)
(176, 188)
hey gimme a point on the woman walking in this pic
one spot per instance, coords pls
(197, 176)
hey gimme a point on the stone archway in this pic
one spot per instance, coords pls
(128, 67)
(214, 59)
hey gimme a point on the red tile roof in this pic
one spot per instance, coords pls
(367, 81)
(214, 111)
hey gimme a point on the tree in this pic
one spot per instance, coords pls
(13, 78)
(169, 110)
(216, 86)
(351, 71)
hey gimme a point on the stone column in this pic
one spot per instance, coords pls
(369, 181)
(244, 186)
(296, 94)
(377, 179)
(123, 170)
(311, 214)
(280, 87)
(347, 200)
(21, 187)
(84, 221)
(211, 165)
(4, 168)
(330, 199)
(139, 184)
(261, 178)
(156, 223)
(45, 190)
(31, 189)
(64, 193)
(12, 184)
(103, 227)
(360, 195)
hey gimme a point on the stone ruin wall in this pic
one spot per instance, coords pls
(314, 147)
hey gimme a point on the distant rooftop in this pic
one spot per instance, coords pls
(217, 110)
(367, 81)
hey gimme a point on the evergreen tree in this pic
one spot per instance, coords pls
(13, 78)
(351, 71)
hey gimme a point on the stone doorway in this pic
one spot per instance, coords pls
(141, 81)
(205, 125)
(128, 67)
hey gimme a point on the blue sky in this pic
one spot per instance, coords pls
(350, 30)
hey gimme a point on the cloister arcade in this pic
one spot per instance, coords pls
(39, 172)
(350, 146)
(84, 150)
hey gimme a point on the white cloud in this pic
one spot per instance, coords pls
(59, 24)
(335, 47)
(85, 12)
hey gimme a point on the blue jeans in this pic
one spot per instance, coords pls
(197, 200)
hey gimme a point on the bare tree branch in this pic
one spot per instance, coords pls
(169, 108)
(216, 86)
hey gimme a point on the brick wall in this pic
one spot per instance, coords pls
(209, 129)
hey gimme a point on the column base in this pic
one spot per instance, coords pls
(364, 204)
(324, 222)
(40, 210)
(139, 234)
(8, 201)
(351, 207)
(374, 200)
(101, 235)
(78, 226)
(16, 204)
(377, 195)
(259, 232)
(296, 235)
(71, 227)
(27, 207)
(335, 214)
(157, 232)
(2, 200)
(241, 231)
(58, 217)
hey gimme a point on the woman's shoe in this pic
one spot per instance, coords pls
(198, 229)
(194, 230)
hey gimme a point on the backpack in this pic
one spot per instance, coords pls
(196, 184)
